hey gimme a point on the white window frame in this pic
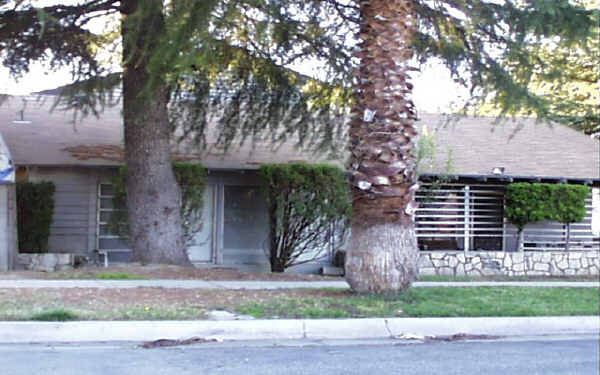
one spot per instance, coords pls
(99, 222)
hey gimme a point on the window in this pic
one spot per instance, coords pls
(106, 239)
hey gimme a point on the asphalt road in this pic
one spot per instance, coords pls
(575, 355)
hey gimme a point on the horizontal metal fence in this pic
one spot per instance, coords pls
(455, 216)
(551, 235)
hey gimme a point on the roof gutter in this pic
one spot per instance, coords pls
(517, 178)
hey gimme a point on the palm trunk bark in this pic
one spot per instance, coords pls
(153, 196)
(383, 253)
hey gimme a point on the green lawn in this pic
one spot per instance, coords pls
(507, 278)
(435, 302)
(61, 304)
(82, 275)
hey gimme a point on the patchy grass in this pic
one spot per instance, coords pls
(435, 302)
(119, 276)
(186, 304)
(160, 271)
(88, 274)
(55, 316)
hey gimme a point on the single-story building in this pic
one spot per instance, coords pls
(460, 214)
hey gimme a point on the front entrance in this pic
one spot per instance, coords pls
(245, 228)
(234, 230)
(235, 227)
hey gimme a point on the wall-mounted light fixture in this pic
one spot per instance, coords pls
(498, 170)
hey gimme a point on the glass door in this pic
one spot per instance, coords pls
(200, 248)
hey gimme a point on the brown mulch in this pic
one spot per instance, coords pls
(163, 272)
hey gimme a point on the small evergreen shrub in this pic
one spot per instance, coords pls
(55, 316)
(309, 208)
(35, 208)
(525, 203)
(528, 203)
(569, 202)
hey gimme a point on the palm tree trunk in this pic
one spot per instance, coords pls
(383, 253)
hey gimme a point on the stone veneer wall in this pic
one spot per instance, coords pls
(489, 263)
(48, 262)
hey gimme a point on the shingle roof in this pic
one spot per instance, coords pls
(52, 138)
(523, 147)
(473, 145)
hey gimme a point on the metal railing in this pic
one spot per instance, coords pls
(455, 216)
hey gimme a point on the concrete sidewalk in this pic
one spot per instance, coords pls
(285, 329)
(256, 285)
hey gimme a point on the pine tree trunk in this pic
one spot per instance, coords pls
(153, 196)
(383, 253)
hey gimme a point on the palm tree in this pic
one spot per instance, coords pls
(382, 254)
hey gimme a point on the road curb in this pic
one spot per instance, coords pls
(287, 329)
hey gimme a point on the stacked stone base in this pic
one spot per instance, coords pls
(49, 262)
(499, 263)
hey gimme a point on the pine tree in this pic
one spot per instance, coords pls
(171, 52)
(565, 75)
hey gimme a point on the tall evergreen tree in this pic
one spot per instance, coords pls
(176, 58)
(153, 199)
(565, 75)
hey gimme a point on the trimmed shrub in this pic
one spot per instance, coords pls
(309, 208)
(35, 208)
(568, 203)
(528, 203)
(525, 203)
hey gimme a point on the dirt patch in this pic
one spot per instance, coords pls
(161, 272)
(138, 303)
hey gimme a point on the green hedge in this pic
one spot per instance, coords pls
(191, 178)
(35, 208)
(309, 207)
(528, 203)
